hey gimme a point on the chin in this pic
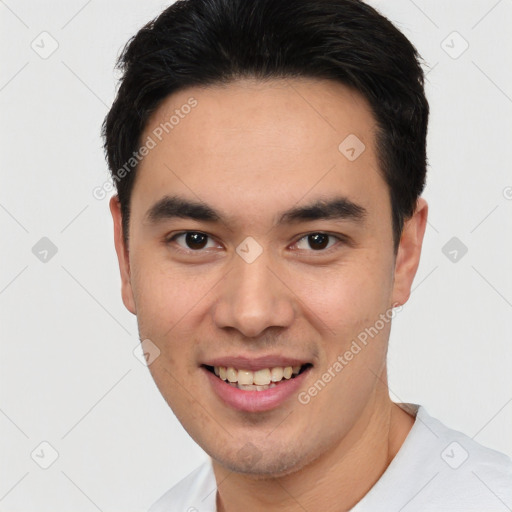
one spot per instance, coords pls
(249, 460)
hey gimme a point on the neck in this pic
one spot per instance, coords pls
(337, 479)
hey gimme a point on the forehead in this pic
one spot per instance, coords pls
(289, 115)
(263, 142)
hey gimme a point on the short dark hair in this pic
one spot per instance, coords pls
(208, 42)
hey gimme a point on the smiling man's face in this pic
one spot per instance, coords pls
(248, 287)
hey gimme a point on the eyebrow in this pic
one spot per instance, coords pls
(337, 208)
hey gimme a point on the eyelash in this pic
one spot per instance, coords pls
(339, 238)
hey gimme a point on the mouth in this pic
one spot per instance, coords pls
(257, 380)
(256, 385)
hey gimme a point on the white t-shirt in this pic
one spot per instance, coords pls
(436, 469)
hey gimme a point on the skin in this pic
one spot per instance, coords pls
(252, 150)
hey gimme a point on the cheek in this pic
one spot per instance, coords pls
(171, 304)
(164, 295)
(349, 296)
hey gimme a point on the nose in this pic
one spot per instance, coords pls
(254, 296)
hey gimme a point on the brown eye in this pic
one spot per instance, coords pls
(196, 240)
(192, 240)
(318, 241)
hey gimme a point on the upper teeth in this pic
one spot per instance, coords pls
(259, 377)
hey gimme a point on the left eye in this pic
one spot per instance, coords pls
(316, 241)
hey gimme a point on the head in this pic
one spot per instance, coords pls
(269, 159)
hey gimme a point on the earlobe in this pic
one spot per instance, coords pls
(409, 252)
(122, 255)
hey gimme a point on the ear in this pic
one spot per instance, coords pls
(122, 255)
(409, 251)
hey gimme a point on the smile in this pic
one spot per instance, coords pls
(259, 380)
(257, 390)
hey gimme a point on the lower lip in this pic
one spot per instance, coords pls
(255, 401)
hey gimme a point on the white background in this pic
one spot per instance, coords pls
(68, 374)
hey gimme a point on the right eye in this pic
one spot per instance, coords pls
(191, 241)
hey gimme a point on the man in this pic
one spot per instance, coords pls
(269, 158)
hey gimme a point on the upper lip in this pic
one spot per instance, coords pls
(255, 363)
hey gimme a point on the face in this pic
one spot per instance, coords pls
(256, 244)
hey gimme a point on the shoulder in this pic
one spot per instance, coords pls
(460, 449)
(465, 471)
(439, 468)
(196, 492)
